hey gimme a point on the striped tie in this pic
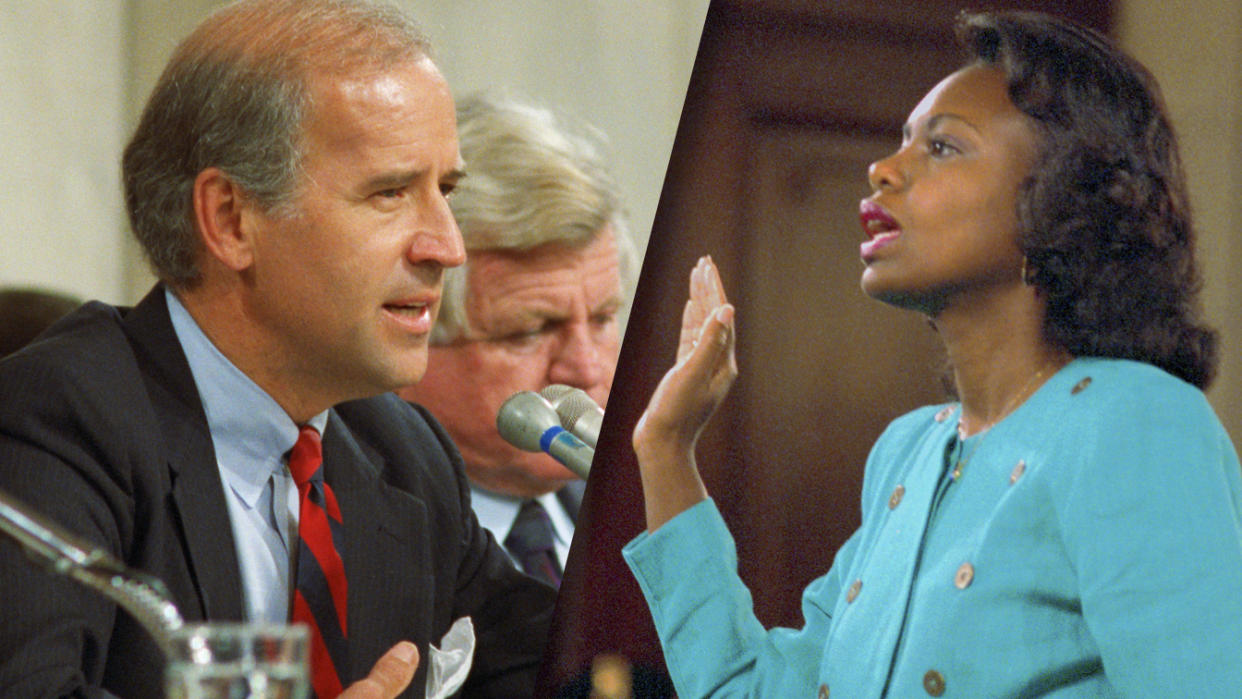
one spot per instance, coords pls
(319, 601)
(531, 540)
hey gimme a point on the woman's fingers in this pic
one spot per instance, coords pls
(706, 297)
(689, 332)
(695, 386)
(714, 288)
(692, 389)
(726, 367)
(721, 361)
(714, 345)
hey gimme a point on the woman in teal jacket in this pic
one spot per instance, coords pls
(1072, 526)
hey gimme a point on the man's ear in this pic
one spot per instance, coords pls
(224, 218)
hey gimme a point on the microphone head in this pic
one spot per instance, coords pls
(556, 391)
(574, 406)
(523, 419)
(579, 413)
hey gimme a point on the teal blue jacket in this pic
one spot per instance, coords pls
(1091, 547)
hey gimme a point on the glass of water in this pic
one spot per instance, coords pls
(238, 661)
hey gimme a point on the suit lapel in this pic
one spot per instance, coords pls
(379, 524)
(197, 491)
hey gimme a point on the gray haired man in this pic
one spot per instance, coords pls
(549, 266)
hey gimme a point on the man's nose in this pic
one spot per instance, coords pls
(437, 238)
(579, 358)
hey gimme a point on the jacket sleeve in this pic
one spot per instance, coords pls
(714, 645)
(56, 633)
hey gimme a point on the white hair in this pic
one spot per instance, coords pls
(532, 178)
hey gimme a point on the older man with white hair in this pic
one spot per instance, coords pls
(550, 265)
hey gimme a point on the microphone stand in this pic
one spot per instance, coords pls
(143, 596)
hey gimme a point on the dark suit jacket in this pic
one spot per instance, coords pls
(102, 430)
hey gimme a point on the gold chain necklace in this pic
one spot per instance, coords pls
(983, 433)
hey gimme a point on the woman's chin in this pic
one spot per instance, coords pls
(900, 296)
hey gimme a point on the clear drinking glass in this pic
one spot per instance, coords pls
(238, 661)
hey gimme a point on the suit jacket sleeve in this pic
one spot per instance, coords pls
(62, 455)
(714, 645)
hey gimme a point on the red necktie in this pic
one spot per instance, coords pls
(319, 601)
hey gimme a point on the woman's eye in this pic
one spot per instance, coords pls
(939, 147)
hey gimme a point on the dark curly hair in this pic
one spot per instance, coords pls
(1104, 216)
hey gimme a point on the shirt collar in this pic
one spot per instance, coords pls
(497, 511)
(251, 433)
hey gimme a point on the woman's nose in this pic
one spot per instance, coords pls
(885, 173)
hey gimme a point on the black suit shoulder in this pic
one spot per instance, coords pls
(406, 440)
(77, 398)
(80, 445)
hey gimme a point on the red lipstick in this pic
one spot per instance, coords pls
(879, 227)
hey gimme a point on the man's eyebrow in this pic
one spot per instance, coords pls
(401, 178)
(393, 179)
(549, 314)
(612, 303)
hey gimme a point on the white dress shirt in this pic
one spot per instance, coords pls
(497, 512)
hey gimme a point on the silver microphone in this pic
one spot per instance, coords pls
(529, 422)
(142, 595)
(579, 413)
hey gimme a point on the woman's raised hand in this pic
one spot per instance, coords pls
(686, 398)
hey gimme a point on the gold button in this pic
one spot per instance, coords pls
(1017, 472)
(933, 682)
(944, 413)
(1080, 385)
(852, 594)
(823, 691)
(965, 574)
(895, 499)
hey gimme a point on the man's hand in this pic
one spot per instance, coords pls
(390, 676)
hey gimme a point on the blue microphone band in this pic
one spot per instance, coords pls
(549, 435)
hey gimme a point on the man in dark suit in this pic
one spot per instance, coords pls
(551, 266)
(288, 182)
